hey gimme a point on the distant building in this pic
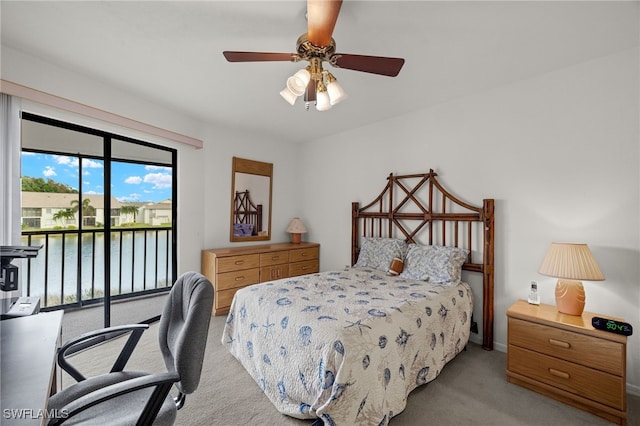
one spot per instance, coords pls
(39, 210)
(155, 214)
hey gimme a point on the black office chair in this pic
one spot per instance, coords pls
(132, 397)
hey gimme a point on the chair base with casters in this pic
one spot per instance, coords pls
(123, 397)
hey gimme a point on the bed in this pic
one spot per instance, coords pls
(347, 347)
(247, 215)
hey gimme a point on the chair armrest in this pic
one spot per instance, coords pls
(161, 381)
(93, 338)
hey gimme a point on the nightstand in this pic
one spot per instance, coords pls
(563, 357)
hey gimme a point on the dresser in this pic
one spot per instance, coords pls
(232, 268)
(565, 358)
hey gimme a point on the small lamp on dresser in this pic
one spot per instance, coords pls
(296, 228)
(570, 263)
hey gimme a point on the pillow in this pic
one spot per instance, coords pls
(434, 264)
(242, 229)
(377, 253)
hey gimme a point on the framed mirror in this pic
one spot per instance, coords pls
(250, 200)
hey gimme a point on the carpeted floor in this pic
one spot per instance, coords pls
(471, 390)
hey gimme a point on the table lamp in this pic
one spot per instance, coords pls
(570, 263)
(295, 228)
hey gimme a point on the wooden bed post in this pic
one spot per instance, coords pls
(488, 277)
(355, 247)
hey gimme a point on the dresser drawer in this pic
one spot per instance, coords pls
(235, 279)
(238, 263)
(302, 268)
(223, 299)
(309, 253)
(275, 272)
(590, 351)
(274, 258)
(577, 379)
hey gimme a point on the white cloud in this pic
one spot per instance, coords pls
(134, 180)
(163, 168)
(131, 197)
(159, 180)
(49, 171)
(26, 153)
(63, 160)
(91, 164)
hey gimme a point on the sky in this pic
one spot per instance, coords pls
(129, 182)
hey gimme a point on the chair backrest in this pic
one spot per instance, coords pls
(183, 328)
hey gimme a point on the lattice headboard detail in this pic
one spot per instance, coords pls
(419, 209)
(246, 211)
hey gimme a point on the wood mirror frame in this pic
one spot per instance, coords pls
(248, 202)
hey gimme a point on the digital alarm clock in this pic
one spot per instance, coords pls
(612, 326)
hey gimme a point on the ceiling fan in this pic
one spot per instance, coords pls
(317, 46)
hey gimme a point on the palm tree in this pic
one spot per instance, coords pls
(133, 210)
(87, 209)
(65, 214)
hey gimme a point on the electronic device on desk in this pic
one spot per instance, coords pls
(24, 306)
(613, 326)
(9, 272)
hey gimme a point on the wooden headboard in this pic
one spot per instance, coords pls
(245, 211)
(418, 209)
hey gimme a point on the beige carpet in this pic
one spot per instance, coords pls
(471, 390)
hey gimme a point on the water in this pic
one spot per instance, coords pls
(130, 271)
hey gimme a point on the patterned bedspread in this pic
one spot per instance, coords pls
(346, 346)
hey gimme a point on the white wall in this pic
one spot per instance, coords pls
(560, 155)
(204, 175)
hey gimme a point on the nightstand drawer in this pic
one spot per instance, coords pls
(590, 351)
(237, 263)
(303, 268)
(274, 258)
(238, 279)
(589, 383)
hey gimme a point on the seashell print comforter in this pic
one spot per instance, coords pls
(346, 346)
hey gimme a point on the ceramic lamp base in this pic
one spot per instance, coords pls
(296, 238)
(570, 297)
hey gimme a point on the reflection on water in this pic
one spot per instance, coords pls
(131, 271)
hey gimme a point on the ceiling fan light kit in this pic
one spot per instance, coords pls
(316, 46)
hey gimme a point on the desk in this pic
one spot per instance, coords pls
(27, 364)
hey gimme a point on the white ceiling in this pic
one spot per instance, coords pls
(170, 52)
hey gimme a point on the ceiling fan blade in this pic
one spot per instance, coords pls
(321, 20)
(257, 56)
(372, 64)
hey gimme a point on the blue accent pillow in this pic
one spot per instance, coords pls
(377, 253)
(434, 264)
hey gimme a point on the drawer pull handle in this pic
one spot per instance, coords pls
(240, 278)
(239, 262)
(303, 254)
(560, 343)
(275, 257)
(559, 373)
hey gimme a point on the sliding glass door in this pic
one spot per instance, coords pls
(103, 208)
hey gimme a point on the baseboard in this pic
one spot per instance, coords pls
(633, 390)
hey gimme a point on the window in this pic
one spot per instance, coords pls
(99, 243)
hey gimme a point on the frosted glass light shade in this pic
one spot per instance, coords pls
(323, 102)
(570, 263)
(297, 83)
(288, 95)
(336, 92)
